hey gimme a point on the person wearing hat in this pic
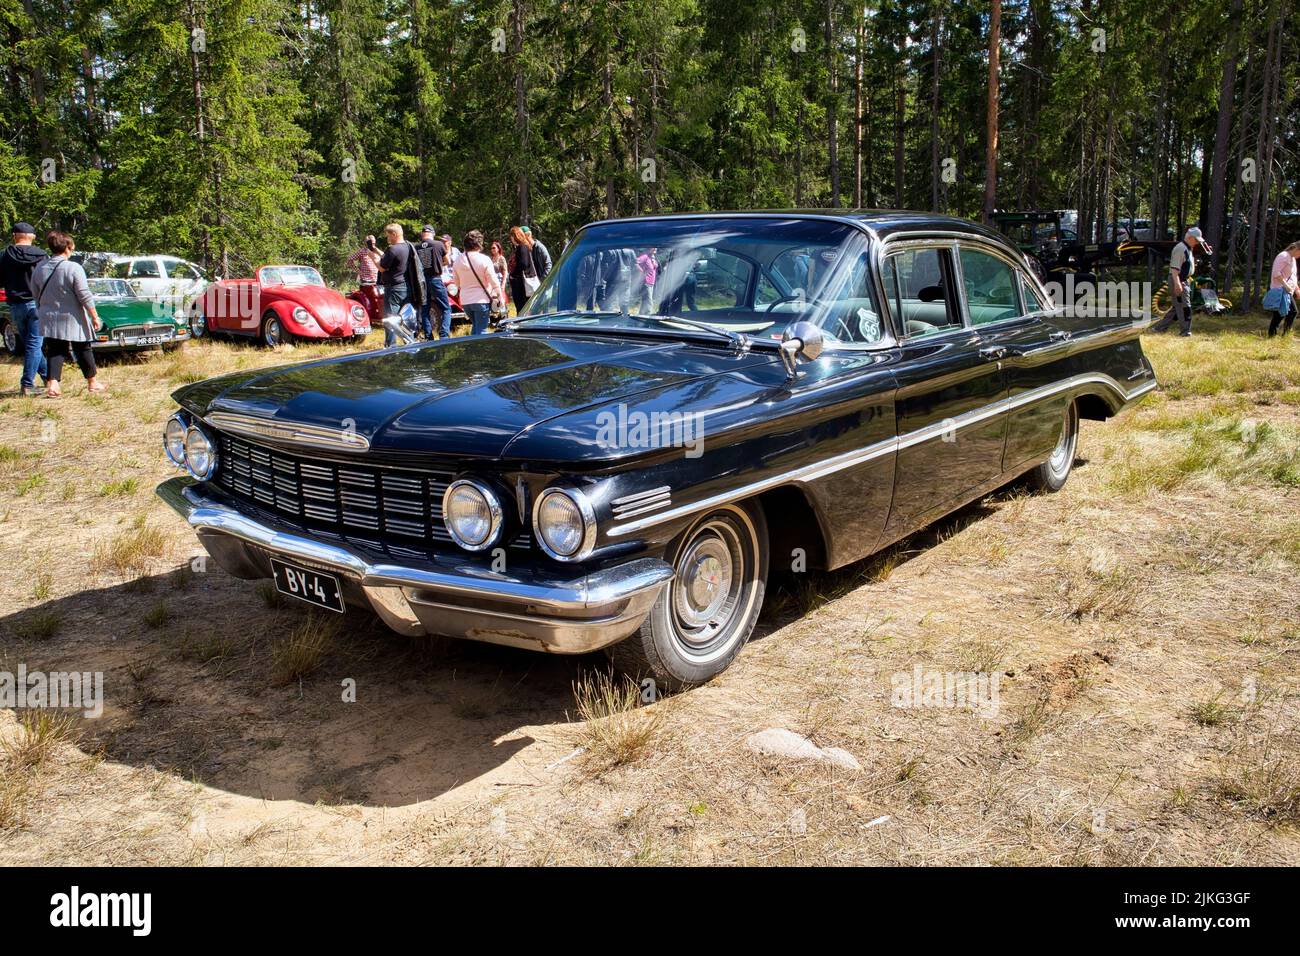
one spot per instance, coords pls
(432, 252)
(1182, 267)
(16, 265)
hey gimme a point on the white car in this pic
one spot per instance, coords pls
(165, 278)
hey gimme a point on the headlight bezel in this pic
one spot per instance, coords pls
(496, 514)
(359, 314)
(586, 512)
(213, 454)
(179, 419)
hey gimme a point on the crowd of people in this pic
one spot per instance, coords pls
(429, 274)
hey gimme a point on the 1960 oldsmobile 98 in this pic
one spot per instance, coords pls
(620, 466)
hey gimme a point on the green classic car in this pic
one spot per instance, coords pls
(132, 322)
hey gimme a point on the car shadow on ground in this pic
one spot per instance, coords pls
(225, 682)
(201, 679)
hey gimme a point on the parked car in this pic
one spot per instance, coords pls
(597, 478)
(164, 278)
(132, 323)
(8, 332)
(278, 303)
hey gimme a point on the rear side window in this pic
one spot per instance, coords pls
(919, 287)
(991, 286)
(1034, 302)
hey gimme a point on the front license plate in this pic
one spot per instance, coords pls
(314, 587)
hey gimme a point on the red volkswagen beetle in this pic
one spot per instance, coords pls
(280, 303)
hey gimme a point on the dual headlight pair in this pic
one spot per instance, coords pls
(564, 522)
(188, 446)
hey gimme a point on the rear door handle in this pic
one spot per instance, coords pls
(993, 352)
(1060, 335)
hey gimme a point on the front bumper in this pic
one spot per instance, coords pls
(149, 340)
(537, 611)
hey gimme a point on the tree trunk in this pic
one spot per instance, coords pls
(521, 107)
(991, 146)
(832, 106)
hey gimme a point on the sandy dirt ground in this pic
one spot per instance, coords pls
(1143, 623)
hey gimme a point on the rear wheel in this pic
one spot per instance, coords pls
(11, 338)
(272, 333)
(708, 610)
(1052, 474)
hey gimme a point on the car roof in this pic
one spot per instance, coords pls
(880, 222)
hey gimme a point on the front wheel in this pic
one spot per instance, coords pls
(11, 339)
(272, 333)
(708, 609)
(1052, 474)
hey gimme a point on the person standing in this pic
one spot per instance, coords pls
(541, 255)
(480, 292)
(1182, 268)
(16, 265)
(1283, 295)
(432, 252)
(67, 314)
(500, 265)
(365, 260)
(523, 268)
(403, 280)
(648, 263)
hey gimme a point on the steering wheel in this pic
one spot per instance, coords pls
(785, 298)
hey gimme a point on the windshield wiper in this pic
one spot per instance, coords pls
(738, 340)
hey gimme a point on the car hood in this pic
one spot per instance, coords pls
(325, 304)
(525, 396)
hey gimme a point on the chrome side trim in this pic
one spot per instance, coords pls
(314, 436)
(888, 446)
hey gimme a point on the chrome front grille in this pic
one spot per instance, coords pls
(392, 507)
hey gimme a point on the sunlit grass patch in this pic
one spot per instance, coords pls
(617, 729)
(130, 553)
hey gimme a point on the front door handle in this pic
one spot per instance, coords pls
(1060, 335)
(993, 353)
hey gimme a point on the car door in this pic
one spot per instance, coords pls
(950, 437)
(1016, 319)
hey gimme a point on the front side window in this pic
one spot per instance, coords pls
(918, 289)
(145, 269)
(991, 287)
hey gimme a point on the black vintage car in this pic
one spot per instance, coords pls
(688, 402)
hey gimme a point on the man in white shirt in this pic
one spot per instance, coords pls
(477, 281)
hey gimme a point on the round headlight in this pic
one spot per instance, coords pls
(200, 454)
(174, 440)
(472, 514)
(565, 524)
(358, 312)
(301, 314)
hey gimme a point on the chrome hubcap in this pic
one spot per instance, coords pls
(709, 584)
(1063, 454)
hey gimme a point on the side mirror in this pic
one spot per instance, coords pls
(801, 340)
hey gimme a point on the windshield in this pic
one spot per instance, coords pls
(751, 275)
(109, 288)
(290, 275)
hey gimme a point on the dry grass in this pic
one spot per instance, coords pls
(298, 655)
(617, 728)
(131, 553)
(33, 744)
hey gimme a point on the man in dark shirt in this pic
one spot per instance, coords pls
(541, 255)
(403, 280)
(432, 253)
(16, 265)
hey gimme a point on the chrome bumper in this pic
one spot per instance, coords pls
(553, 614)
